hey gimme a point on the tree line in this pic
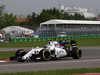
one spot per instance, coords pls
(48, 14)
(35, 19)
(6, 19)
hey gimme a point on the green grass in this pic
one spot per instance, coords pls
(6, 54)
(80, 42)
(88, 42)
(57, 72)
(23, 44)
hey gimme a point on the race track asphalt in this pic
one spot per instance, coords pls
(90, 59)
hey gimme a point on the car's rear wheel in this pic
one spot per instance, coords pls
(19, 54)
(46, 55)
(76, 53)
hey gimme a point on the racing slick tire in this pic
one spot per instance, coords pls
(76, 53)
(45, 54)
(19, 54)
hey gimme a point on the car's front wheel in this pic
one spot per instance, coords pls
(45, 54)
(19, 54)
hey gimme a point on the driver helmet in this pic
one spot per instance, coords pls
(45, 46)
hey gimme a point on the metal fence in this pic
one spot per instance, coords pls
(69, 30)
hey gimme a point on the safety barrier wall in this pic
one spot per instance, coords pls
(52, 38)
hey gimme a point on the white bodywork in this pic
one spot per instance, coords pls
(33, 51)
(59, 52)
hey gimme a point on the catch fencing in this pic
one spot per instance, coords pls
(70, 30)
(51, 32)
(53, 38)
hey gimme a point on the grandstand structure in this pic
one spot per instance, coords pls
(52, 28)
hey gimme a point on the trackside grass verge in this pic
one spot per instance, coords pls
(57, 72)
(23, 44)
(88, 42)
(80, 42)
(6, 54)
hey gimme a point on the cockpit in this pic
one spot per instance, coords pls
(46, 46)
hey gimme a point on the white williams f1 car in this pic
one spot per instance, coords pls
(53, 50)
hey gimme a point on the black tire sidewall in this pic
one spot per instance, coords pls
(76, 53)
(19, 59)
(19, 55)
(43, 54)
